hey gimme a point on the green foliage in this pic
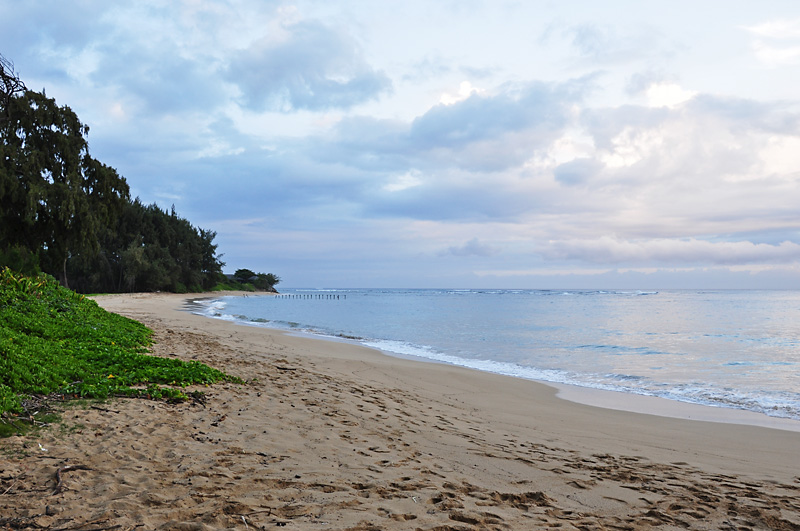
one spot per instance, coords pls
(149, 249)
(233, 286)
(53, 340)
(266, 281)
(54, 197)
(20, 259)
(255, 281)
(69, 215)
(243, 275)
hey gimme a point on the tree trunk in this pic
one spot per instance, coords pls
(63, 278)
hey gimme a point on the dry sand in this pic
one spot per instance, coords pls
(328, 435)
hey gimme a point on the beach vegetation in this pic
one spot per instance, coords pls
(21, 259)
(56, 198)
(256, 281)
(57, 343)
(243, 275)
(71, 216)
(228, 284)
(266, 281)
(149, 249)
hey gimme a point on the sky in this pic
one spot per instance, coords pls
(456, 144)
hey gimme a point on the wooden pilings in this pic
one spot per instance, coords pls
(317, 296)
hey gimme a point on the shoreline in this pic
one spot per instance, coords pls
(589, 396)
(337, 436)
(665, 407)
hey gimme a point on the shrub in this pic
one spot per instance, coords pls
(55, 341)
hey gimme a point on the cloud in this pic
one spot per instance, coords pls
(287, 113)
(577, 171)
(610, 250)
(121, 66)
(776, 43)
(776, 55)
(591, 40)
(781, 117)
(707, 137)
(405, 181)
(606, 44)
(158, 78)
(430, 66)
(313, 67)
(668, 95)
(465, 90)
(452, 197)
(784, 29)
(640, 173)
(473, 247)
(47, 39)
(490, 131)
(493, 131)
(457, 161)
(533, 106)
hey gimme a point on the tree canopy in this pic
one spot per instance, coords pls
(262, 281)
(65, 213)
(10, 85)
(54, 196)
(149, 249)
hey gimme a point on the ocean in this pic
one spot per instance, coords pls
(729, 348)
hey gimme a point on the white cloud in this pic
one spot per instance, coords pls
(780, 156)
(632, 145)
(776, 43)
(777, 29)
(465, 90)
(117, 111)
(405, 181)
(217, 148)
(774, 56)
(611, 250)
(667, 95)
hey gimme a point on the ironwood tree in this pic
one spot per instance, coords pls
(10, 85)
(70, 215)
(54, 197)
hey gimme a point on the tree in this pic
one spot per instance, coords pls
(266, 281)
(70, 215)
(243, 275)
(10, 86)
(54, 196)
(148, 249)
(210, 264)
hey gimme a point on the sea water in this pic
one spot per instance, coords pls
(737, 349)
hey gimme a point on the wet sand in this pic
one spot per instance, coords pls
(328, 435)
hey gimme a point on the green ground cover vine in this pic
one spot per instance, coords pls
(55, 341)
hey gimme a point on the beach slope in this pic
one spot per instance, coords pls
(328, 435)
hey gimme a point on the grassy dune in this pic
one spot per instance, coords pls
(56, 342)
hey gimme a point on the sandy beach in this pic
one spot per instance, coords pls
(329, 435)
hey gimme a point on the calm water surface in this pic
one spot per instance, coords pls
(737, 349)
